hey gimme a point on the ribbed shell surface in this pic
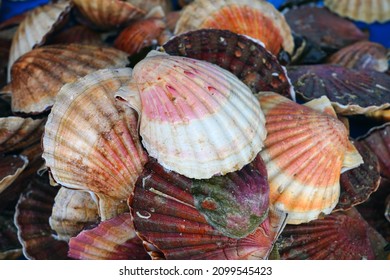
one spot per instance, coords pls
(304, 153)
(34, 29)
(91, 142)
(197, 119)
(10, 168)
(39, 74)
(257, 19)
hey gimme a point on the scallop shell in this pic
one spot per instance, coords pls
(34, 29)
(10, 248)
(78, 34)
(166, 218)
(108, 14)
(56, 65)
(244, 57)
(359, 183)
(140, 34)
(32, 221)
(367, 11)
(10, 168)
(339, 236)
(91, 141)
(324, 28)
(350, 91)
(72, 212)
(305, 151)
(114, 239)
(362, 55)
(257, 19)
(149, 5)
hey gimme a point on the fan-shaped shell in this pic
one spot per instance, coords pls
(257, 19)
(39, 74)
(108, 14)
(34, 29)
(350, 91)
(305, 151)
(90, 140)
(10, 248)
(197, 118)
(166, 218)
(72, 212)
(10, 168)
(362, 10)
(324, 28)
(32, 221)
(339, 236)
(114, 239)
(362, 55)
(78, 34)
(241, 55)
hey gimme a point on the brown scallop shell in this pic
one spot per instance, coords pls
(113, 239)
(10, 168)
(257, 19)
(323, 28)
(359, 183)
(108, 14)
(10, 248)
(39, 74)
(32, 221)
(367, 11)
(166, 218)
(339, 236)
(140, 34)
(35, 28)
(244, 57)
(78, 34)
(362, 55)
(72, 212)
(350, 91)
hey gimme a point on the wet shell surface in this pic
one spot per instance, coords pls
(72, 212)
(359, 183)
(108, 14)
(32, 221)
(324, 28)
(244, 57)
(114, 239)
(305, 151)
(197, 119)
(350, 91)
(90, 139)
(34, 29)
(362, 55)
(339, 236)
(257, 19)
(10, 168)
(39, 74)
(166, 218)
(367, 11)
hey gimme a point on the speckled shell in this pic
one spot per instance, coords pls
(362, 55)
(114, 239)
(91, 140)
(244, 57)
(367, 11)
(10, 248)
(72, 212)
(56, 65)
(257, 19)
(305, 151)
(108, 14)
(339, 236)
(10, 168)
(350, 91)
(166, 218)
(32, 221)
(34, 29)
(193, 119)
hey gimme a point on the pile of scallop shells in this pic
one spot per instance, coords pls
(218, 129)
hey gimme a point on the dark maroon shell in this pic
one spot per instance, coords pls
(32, 220)
(338, 236)
(244, 57)
(166, 218)
(10, 248)
(352, 91)
(358, 183)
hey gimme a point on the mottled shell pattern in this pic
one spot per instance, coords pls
(197, 119)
